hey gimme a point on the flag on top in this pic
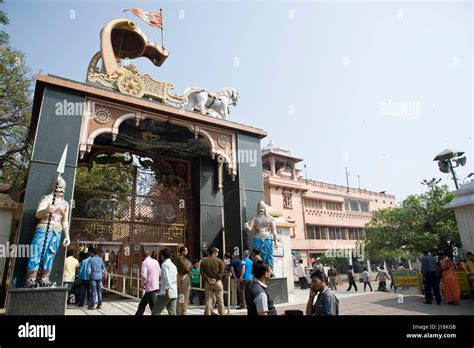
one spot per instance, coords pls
(153, 19)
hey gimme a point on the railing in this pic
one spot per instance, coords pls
(108, 277)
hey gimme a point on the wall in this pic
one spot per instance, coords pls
(52, 134)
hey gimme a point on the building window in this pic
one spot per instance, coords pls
(333, 206)
(310, 203)
(314, 232)
(338, 233)
(332, 233)
(351, 234)
(364, 206)
(287, 202)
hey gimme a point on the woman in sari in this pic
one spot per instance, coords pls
(451, 290)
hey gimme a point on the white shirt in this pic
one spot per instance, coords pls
(169, 279)
(300, 271)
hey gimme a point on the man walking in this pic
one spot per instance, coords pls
(69, 276)
(332, 274)
(350, 277)
(235, 269)
(184, 267)
(212, 270)
(95, 270)
(365, 277)
(150, 277)
(259, 301)
(300, 273)
(168, 294)
(326, 303)
(430, 271)
(245, 278)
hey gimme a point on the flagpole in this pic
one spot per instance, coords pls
(162, 34)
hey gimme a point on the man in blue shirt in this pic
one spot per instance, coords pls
(95, 270)
(235, 269)
(84, 292)
(245, 278)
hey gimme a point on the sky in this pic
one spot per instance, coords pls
(379, 87)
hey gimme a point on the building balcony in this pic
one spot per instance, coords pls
(345, 218)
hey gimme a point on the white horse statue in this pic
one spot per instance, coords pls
(211, 103)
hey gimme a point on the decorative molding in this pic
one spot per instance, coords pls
(102, 115)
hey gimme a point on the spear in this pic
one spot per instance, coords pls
(244, 199)
(59, 170)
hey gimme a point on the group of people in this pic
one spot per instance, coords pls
(174, 286)
(440, 277)
(83, 278)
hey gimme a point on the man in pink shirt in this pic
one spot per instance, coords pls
(150, 277)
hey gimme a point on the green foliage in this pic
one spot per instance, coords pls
(109, 178)
(15, 111)
(104, 192)
(420, 223)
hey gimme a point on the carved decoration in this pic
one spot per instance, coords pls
(102, 115)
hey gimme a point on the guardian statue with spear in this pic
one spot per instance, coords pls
(52, 212)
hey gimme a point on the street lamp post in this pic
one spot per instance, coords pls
(445, 162)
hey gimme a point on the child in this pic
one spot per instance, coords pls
(196, 283)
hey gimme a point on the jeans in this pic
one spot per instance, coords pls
(370, 285)
(162, 303)
(332, 283)
(96, 291)
(68, 285)
(85, 293)
(148, 299)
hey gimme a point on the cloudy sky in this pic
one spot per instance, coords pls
(380, 87)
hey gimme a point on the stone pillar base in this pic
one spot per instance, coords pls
(278, 290)
(39, 301)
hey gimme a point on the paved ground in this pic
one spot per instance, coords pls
(406, 302)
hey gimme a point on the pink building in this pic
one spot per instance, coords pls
(330, 219)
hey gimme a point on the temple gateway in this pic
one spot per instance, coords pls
(145, 167)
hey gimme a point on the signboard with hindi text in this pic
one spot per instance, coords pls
(407, 278)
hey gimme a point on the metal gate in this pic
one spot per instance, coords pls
(121, 225)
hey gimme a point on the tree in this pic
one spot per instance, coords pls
(420, 223)
(15, 111)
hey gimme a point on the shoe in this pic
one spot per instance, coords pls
(91, 307)
(99, 307)
(241, 307)
(426, 302)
